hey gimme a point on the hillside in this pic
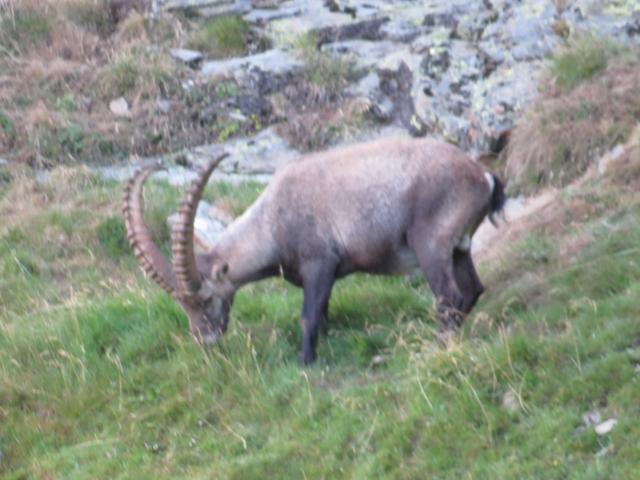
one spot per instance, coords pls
(99, 377)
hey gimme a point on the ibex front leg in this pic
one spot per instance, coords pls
(435, 256)
(317, 279)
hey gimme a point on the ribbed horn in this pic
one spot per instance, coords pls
(184, 260)
(151, 259)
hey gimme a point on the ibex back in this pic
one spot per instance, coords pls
(381, 207)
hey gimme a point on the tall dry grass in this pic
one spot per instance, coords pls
(566, 131)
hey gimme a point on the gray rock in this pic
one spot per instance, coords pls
(120, 108)
(210, 8)
(470, 27)
(259, 155)
(401, 29)
(365, 54)
(632, 27)
(3, 162)
(163, 106)
(316, 17)
(382, 110)
(254, 105)
(253, 158)
(369, 29)
(267, 72)
(368, 87)
(189, 57)
(618, 20)
(510, 401)
(265, 15)
(208, 225)
(397, 83)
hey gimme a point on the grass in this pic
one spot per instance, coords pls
(583, 58)
(27, 28)
(220, 37)
(90, 15)
(99, 378)
(589, 107)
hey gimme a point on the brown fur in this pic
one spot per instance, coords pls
(380, 207)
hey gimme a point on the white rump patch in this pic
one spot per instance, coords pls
(490, 181)
(465, 243)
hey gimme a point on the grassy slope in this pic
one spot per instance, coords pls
(99, 379)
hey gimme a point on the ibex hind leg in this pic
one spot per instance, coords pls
(318, 277)
(467, 279)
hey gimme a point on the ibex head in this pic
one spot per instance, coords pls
(199, 286)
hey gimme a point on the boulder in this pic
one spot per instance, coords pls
(266, 72)
(190, 57)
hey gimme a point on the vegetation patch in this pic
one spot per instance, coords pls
(23, 28)
(112, 235)
(581, 59)
(100, 379)
(224, 36)
(55, 92)
(317, 112)
(595, 109)
(93, 16)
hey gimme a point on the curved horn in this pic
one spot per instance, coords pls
(184, 260)
(148, 254)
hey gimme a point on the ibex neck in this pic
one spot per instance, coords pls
(248, 247)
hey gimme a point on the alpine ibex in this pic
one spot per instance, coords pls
(382, 207)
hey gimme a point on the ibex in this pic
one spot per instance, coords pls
(381, 207)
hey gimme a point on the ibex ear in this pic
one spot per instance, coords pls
(222, 272)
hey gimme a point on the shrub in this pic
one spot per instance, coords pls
(583, 58)
(119, 79)
(220, 37)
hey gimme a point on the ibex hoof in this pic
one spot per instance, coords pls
(307, 358)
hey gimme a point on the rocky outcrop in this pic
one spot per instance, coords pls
(254, 158)
(462, 70)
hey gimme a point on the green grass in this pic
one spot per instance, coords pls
(28, 28)
(99, 379)
(224, 36)
(584, 57)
